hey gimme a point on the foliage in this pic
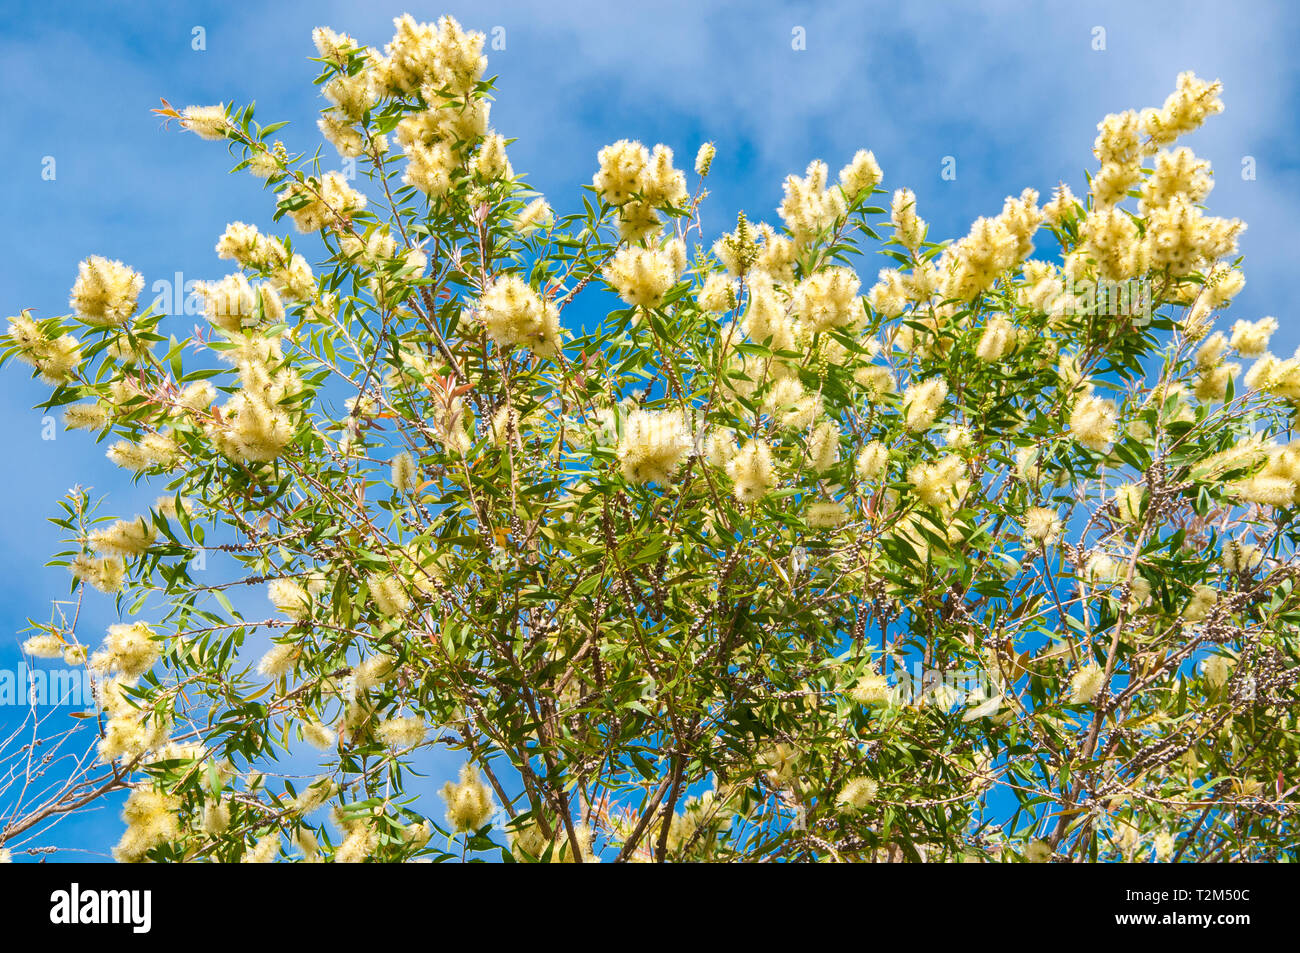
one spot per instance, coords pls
(994, 561)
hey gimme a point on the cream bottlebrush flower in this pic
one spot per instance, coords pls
(318, 736)
(153, 450)
(404, 476)
(290, 598)
(621, 167)
(1274, 376)
(105, 293)
(216, 818)
(642, 276)
(737, 250)
(129, 649)
(359, 842)
(319, 203)
(304, 838)
(1222, 284)
(1111, 240)
(264, 163)
(751, 471)
(1265, 490)
(387, 594)
(429, 168)
(491, 163)
(350, 95)
(922, 402)
(776, 254)
(824, 446)
(704, 158)
(857, 794)
(1042, 525)
(1092, 422)
(313, 796)
(828, 299)
(417, 834)
(295, 282)
(333, 47)
(1241, 557)
(909, 228)
(1128, 502)
(1178, 174)
(279, 660)
(1250, 338)
(130, 734)
(889, 295)
(123, 537)
(1163, 846)
(767, 320)
(1247, 452)
(826, 514)
(877, 381)
(661, 184)
(536, 214)
(449, 59)
(781, 761)
(862, 174)
(375, 671)
(871, 690)
(253, 428)
(516, 315)
(56, 360)
(1063, 205)
(638, 222)
(1086, 684)
(44, 646)
(339, 132)
(166, 506)
(527, 842)
(206, 122)
(993, 246)
(719, 448)
(809, 206)
(1103, 569)
(1211, 351)
(264, 851)
(1184, 111)
(942, 483)
(718, 294)
(998, 340)
(653, 444)
(254, 425)
(197, 396)
(791, 406)
(151, 819)
(1212, 385)
(872, 460)
(105, 573)
(403, 732)
(959, 437)
(1038, 852)
(1217, 669)
(1204, 598)
(469, 802)
(505, 421)
(232, 304)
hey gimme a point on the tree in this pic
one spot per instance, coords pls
(995, 560)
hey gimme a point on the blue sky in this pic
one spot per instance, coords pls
(1011, 91)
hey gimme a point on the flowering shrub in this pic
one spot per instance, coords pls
(993, 558)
